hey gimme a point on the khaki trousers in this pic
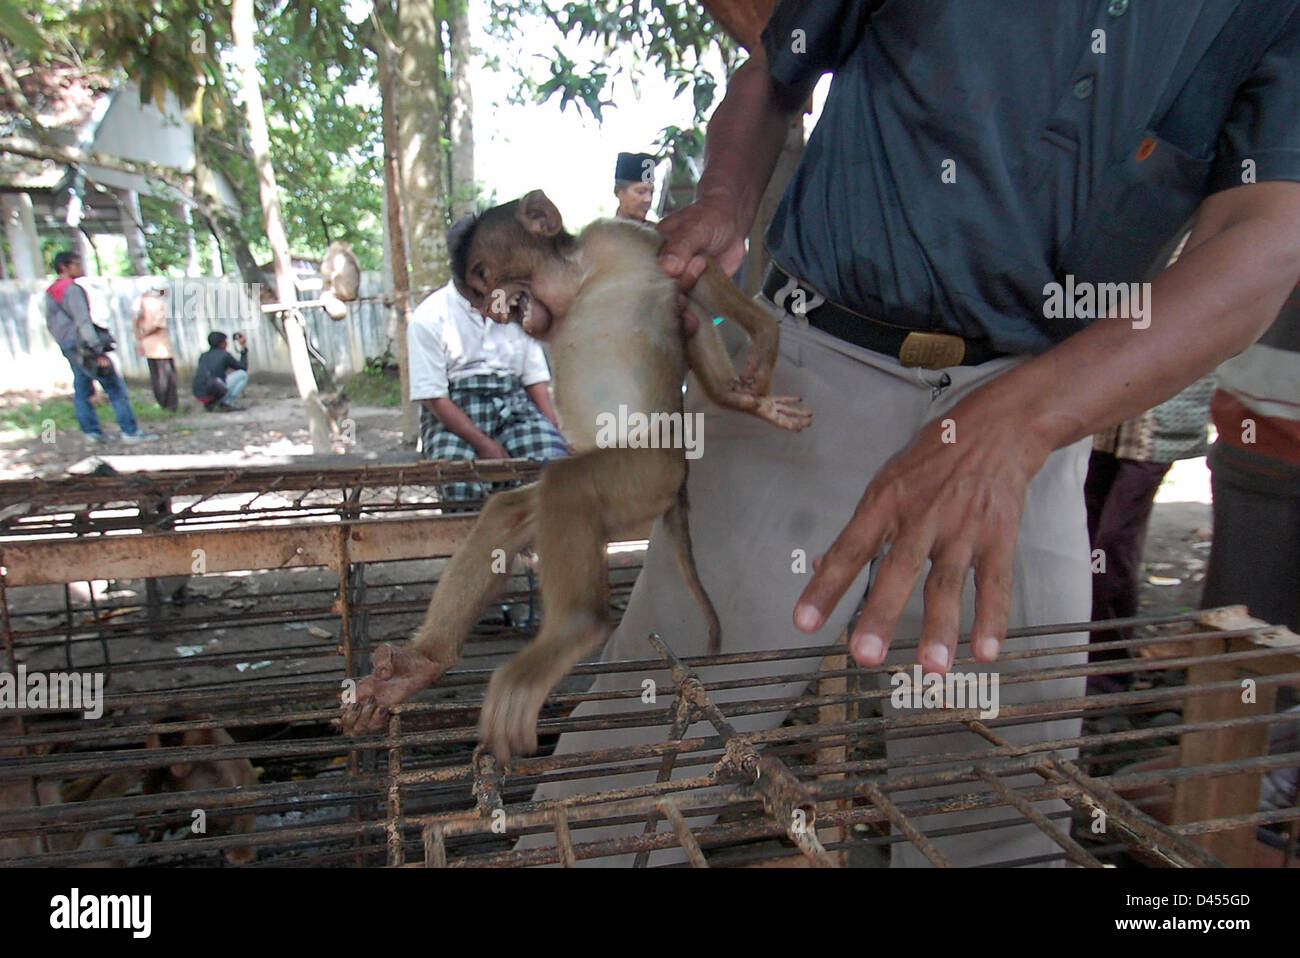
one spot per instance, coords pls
(759, 493)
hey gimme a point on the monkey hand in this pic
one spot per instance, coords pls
(783, 411)
(397, 674)
(514, 700)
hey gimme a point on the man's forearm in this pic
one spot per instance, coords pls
(541, 397)
(745, 137)
(1224, 291)
(454, 418)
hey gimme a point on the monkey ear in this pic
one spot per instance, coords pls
(538, 215)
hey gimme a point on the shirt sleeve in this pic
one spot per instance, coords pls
(1262, 132)
(427, 361)
(804, 39)
(535, 368)
(77, 303)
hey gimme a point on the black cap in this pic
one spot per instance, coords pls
(635, 166)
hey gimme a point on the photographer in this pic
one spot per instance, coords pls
(86, 347)
(220, 377)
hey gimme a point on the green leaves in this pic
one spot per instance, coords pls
(20, 31)
(672, 36)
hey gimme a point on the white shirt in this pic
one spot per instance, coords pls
(447, 341)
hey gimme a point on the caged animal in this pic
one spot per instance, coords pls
(612, 323)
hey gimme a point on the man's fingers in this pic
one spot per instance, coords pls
(893, 583)
(836, 570)
(694, 270)
(993, 575)
(941, 624)
(690, 322)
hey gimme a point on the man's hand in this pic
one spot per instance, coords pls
(488, 448)
(241, 341)
(104, 362)
(701, 231)
(706, 228)
(955, 503)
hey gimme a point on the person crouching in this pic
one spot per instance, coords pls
(220, 377)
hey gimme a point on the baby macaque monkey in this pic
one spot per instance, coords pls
(612, 322)
(197, 776)
(341, 275)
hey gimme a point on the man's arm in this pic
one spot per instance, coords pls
(77, 304)
(454, 418)
(958, 504)
(541, 397)
(535, 374)
(744, 141)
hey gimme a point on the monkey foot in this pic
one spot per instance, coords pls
(508, 722)
(784, 411)
(398, 673)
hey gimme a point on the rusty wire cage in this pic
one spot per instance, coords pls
(226, 608)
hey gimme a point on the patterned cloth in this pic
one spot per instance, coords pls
(1174, 430)
(500, 407)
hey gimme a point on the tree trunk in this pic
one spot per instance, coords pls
(224, 221)
(419, 129)
(24, 244)
(460, 111)
(242, 27)
(395, 234)
(128, 208)
(216, 266)
(186, 216)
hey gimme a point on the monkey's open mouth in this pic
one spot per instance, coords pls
(529, 312)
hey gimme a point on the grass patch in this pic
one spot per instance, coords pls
(376, 385)
(31, 416)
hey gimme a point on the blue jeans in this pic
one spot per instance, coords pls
(83, 387)
(236, 380)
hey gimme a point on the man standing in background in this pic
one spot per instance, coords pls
(1255, 467)
(634, 185)
(154, 343)
(86, 347)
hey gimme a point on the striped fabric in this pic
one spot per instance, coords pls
(500, 408)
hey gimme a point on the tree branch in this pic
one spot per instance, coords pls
(75, 156)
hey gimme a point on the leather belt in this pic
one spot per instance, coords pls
(931, 350)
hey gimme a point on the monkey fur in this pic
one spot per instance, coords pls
(610, 318)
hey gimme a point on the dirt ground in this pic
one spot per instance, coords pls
(274, 426)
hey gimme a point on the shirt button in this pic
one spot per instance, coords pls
(1083, 88)
(1116, 8)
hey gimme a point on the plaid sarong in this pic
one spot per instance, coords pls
(500, 407)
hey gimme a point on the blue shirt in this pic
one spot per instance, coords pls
(970, 152)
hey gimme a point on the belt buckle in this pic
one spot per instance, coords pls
(932, 350)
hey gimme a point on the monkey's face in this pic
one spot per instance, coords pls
(514, 269)
(507, 300)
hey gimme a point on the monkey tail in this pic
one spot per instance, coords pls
(677, 522)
